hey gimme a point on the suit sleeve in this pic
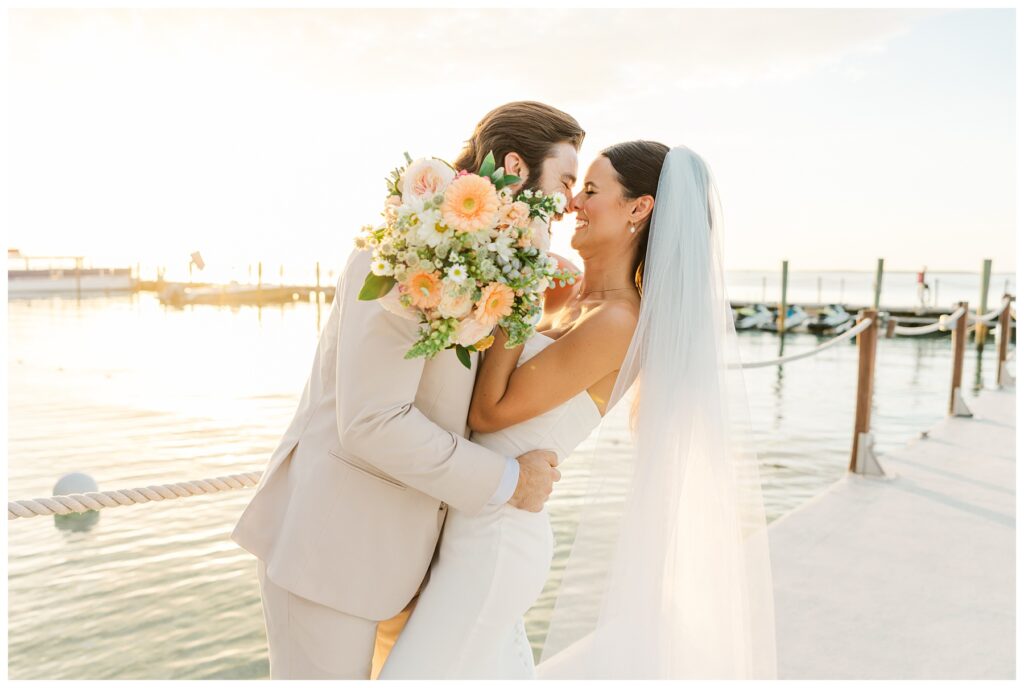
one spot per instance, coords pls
(377, 421)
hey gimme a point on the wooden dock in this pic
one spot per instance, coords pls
(910, 576)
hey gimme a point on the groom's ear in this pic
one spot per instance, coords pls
(514, 164)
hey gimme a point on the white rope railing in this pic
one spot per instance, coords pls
(944, 323)
(61, 505)
(849, 334)
(991, 315)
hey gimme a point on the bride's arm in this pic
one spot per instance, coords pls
(505, 395)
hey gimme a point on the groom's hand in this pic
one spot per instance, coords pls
(537, 477)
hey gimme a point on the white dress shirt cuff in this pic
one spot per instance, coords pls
(508, 483)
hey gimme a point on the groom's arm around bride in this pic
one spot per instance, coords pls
(349, 509)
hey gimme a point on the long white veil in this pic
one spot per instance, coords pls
(669, 574)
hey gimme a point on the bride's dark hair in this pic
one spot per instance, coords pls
(638, 165)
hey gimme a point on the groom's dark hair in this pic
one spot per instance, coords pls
(526, 127)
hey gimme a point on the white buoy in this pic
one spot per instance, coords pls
(75, 483)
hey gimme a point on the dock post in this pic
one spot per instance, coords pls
(862, 455)
(878, 281)
(890, 328)
(980, 328)
(782, 305)
(259, 283)
(1003, 377)
(78, 279)
(957, 406)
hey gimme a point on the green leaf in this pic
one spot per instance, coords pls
(463, 354)
(375, 287)
(506, 181)
(487, 169)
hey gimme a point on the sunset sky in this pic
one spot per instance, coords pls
(836, 136)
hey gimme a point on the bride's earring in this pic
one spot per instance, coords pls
(632, 229)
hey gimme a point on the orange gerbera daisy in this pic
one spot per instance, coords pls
(470, 204)
(495, 303)
(424, 288)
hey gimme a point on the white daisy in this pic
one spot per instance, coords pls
(457, 273)
(381, 267)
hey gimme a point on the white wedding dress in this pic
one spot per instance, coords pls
(491, 567)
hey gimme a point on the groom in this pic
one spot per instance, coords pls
(348, 512)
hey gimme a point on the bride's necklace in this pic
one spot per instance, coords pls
(602, 291)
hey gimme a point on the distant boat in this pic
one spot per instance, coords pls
(833, 318)
(62, 275)
(795, 316)
(752, 317)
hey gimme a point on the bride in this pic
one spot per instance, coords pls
(668, 576)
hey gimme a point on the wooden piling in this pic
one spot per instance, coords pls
(782, 306)
(981, 328)
(1004, 338)
(959, 340)
(878, 281)
(866, 345)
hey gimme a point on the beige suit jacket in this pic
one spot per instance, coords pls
(350, 506)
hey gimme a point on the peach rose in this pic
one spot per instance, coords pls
(454, 304)
(426, 178)
(470, 331)
(515, 215)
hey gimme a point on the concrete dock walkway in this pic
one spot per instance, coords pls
(909, 577)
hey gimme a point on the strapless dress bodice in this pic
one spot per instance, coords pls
(561, 429)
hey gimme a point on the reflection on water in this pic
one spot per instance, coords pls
(134, 394)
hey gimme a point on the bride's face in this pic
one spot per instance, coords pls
(602, 212)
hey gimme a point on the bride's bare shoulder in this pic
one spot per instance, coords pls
(613, 319)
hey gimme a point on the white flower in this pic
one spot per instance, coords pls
(559, 199)
(502, 245)
(381, 267)
(457, 273)
(429, 229)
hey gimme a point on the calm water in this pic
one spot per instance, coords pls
(136, 394)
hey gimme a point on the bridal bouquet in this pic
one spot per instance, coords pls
(465, 253)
